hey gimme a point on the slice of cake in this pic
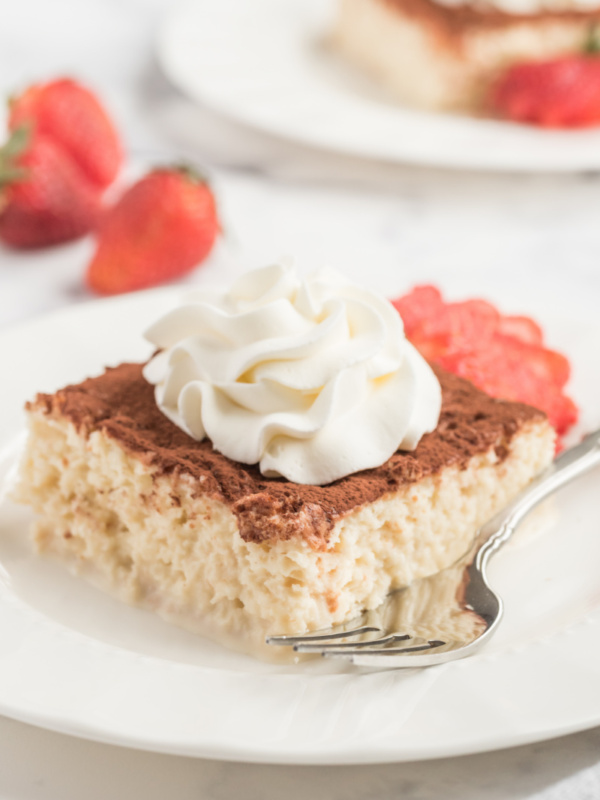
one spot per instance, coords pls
(444, 54)
(284, 460)
(131, 501)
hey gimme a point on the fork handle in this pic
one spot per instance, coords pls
(569, 465)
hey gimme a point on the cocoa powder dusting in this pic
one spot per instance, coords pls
(120, 404)
(451, 21)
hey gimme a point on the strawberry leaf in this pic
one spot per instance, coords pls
(592, 43)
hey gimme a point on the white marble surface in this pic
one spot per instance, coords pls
(525, 241)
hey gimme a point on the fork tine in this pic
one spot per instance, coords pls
(333, 652)
(321, 637)
(392, 637)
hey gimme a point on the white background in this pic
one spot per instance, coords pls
(525, 241)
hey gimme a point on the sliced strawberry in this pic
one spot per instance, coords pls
(495, 369)
(559, 93)
(433, 348)
(422, 303)
(459, 324)
(563, 413)
(546, 365)
(503, 356)
(522, 328)
(437, 328)
(511, 366)
(511, 370)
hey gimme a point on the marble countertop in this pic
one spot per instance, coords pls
(530, 242)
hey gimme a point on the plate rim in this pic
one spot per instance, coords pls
(169, 52)
(93, 727)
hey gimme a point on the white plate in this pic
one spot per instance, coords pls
(75, 660)
(266, 63)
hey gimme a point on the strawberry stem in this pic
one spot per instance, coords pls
(192, 173)
(592, 43)
(17, 144)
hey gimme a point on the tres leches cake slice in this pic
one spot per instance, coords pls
(447, 54)
(131, 491)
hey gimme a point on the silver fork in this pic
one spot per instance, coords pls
(453, 613)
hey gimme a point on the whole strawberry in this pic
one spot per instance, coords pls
(160, 229)
(561, 93)
(72, 117)
(44, 198)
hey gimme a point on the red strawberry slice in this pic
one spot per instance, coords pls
(422, 303)
(560, 93)
(561, 410)
(502, 355)
(512, 370)
(454, 327)
(546, 365)
(522, 328)
(439, 327)
(459, 324)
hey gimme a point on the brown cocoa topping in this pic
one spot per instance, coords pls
(470, 16)
(120, 404)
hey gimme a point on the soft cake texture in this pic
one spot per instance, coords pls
(445, 57)
(127, 499)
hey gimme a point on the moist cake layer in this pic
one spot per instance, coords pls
(440, 57)
(120, 404)
(155, 541)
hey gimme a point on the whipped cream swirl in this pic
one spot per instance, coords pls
(311, 378)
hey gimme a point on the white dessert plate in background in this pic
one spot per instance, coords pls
(268, 64)
(73, 659)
